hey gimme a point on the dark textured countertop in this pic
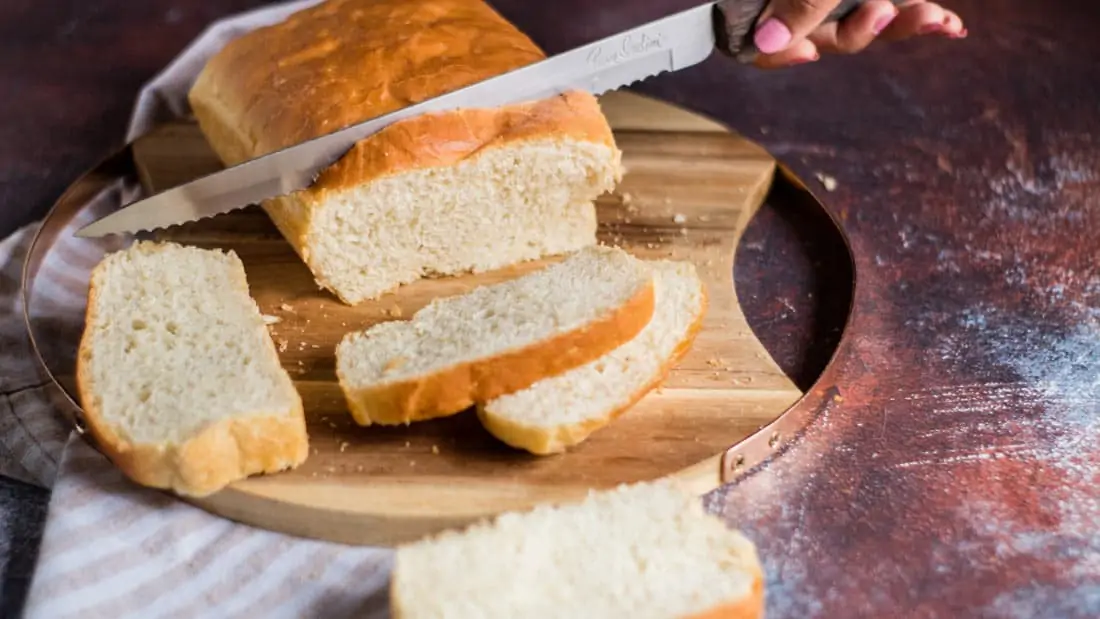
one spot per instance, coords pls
(953, 465)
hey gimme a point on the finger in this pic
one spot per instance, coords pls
(855, 32)
(800, 53)
(786, 22)
(924, 18)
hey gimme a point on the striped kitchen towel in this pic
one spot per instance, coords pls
(111, 548)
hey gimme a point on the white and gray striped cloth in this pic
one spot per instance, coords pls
(113, 549)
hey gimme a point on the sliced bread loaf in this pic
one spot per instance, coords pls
(495, 339)
(179, 380)
(641, 551)
(423, 196)
(561, 411)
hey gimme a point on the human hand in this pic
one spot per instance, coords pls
(791, 32)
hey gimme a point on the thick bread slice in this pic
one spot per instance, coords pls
(438, 194)
(179, 380)
(495, 339)
(561, 411)
(642, 551)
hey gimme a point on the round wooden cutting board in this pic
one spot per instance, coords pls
(690, 188)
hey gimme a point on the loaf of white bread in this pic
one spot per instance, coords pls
(177, 374)
(642, 551)
(496, 339)
(561, 411)
(438, 194)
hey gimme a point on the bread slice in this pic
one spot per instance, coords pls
(495, 339)
(179, 380)
(642, 551)
(438, 194)
(558, 412)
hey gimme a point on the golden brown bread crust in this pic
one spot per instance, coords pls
(749, 607)
(454, 389)
(222, 453)
(345, 61)
(544, 441)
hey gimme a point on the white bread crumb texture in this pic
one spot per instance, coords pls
(176, 343)
(494, 319)
(533, 199)
(646, 550)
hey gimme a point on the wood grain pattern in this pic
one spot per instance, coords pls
(689, 191)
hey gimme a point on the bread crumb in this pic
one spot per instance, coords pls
(704, 218)
(286, 307)
(393, 312)
(407, 444)
(282, 345)
(271, 320)
(344, 446)
(679, 218)
(683, 231)
(626, 198)
(435, 449)
(827, 181)
(626, 220)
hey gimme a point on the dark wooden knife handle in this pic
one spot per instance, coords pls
(735, 23)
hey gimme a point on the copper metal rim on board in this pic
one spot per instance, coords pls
(120, 168)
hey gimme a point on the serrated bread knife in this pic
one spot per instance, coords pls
(668, 44)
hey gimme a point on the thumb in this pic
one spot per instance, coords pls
(786, 22)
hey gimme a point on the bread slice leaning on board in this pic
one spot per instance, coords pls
(436, 194)
(177, 374)
(495, 339)
(561, 411)
(642, 551)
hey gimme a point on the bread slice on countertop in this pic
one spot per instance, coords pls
(642, 551)
(495, 339)
(179, 380)
(437, 194)
(558, 412)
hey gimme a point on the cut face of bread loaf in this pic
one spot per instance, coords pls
(438, 194)
(561, 411)
(642, 551)
(177, 374)
(495, 339)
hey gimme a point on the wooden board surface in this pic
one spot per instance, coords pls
(689, 191)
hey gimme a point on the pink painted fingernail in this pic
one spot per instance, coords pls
(882, 22)
(772, 36)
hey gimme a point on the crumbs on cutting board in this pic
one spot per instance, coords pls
(271, 320)
(286, 307)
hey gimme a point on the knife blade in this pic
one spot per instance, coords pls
(668, 44)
